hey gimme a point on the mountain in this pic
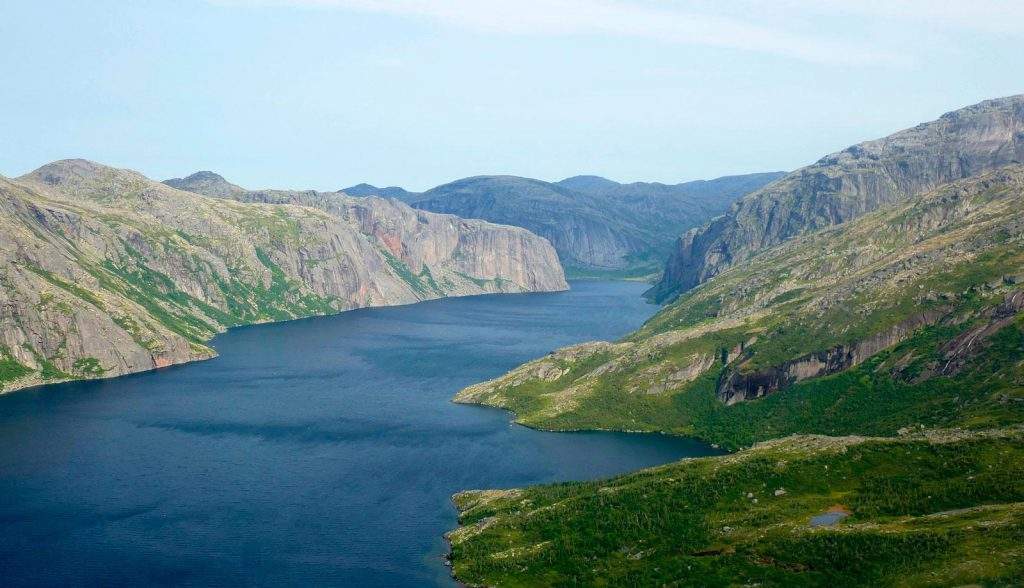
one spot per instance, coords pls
(208, 183)
(395, 192)
(721, 191)
(587, 184)
(903, 300)
(105, 272)
(848, 184)
(858, 337)
(596, 225)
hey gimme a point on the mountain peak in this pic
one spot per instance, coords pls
(207, 183)
(67, 167)
(206, 176)
(587, 183)
(80, 172)
(362, 189)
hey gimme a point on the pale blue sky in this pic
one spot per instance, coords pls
(328, 93)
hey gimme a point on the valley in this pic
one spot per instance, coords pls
(512, 294)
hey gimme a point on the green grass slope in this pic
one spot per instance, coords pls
(939, 509)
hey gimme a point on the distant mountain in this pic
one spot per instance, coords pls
(848, 184)
(207, 183)
(588, 184)
(721, 190)
(402, 194)
(598, 226)
(105, 272)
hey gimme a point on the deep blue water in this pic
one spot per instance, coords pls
(320, 451)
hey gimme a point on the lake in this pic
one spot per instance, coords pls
(318, 451)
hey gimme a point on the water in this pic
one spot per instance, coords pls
(320, 451)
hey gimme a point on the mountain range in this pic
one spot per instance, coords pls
(855, 330)
(599, 227)
(106, 272)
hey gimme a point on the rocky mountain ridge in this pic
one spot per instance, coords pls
(105, 272)
(848, 184)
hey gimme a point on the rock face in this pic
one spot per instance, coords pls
(736, 385)
(104, 272)
(595, 224)
(848, 184)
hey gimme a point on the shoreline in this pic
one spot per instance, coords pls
(32, 383)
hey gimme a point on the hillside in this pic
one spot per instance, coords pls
(598, 227)
(905, 321)
(936, 508)
(848, 184)
(906, 315)
(105, 272)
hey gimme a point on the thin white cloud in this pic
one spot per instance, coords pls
(692, 23)
(989, 16)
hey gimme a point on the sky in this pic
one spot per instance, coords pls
(323, 94)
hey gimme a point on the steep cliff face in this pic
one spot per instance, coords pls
(736, 384)
(595, 224)
(423, 240)
(848, 184)
(104, 272)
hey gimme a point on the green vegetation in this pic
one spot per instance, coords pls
(47, 370)
(645, 265)
(868, 399)
(481, 283)
(282, 300)
(423, 283)
(941, 510)
(156, 293)
(89, 367)
(11, 369)
(181, 313)
(273, 221)
(74, 289)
